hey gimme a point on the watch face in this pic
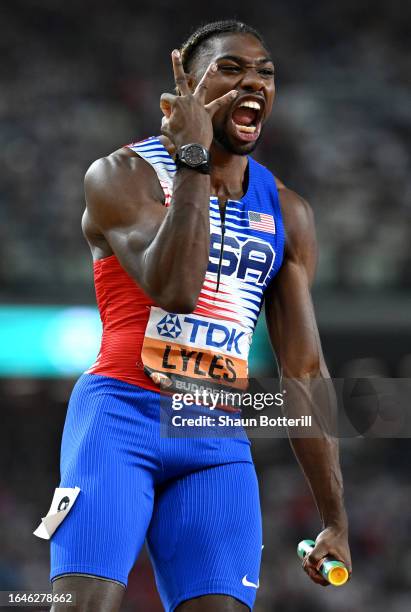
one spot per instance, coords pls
(194, 155)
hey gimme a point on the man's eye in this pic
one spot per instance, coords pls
(267, 72)
(230, 68)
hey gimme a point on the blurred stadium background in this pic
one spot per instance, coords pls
(78, 80)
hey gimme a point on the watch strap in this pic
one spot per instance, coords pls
(203, 168)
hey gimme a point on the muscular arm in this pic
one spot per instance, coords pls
(294, 335)
(164, 250)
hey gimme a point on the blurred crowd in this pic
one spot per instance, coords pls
(81, 79)
(377, 491)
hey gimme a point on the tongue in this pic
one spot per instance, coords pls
(244, 116)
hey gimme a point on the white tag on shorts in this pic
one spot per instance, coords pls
(63, 501)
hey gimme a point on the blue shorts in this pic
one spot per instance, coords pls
(195, 499)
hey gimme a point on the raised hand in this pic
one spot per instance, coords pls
(187, 118)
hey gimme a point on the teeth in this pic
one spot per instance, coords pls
(247, 128)
(250, 104)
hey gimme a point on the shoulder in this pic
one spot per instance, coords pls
(298, 218)
(122, 164)
(300, 237)
(120, 180)
(297, 214)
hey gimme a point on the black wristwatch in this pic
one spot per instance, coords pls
(193, 156)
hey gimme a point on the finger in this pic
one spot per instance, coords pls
(160, 379)
(164, 124)
(313, 565)
(167, 102)
(165, 131)
(215, 105)
(317, 578)
(315, 575)
(179, 74)
(201, 89)
(315, 557)
(319, 552)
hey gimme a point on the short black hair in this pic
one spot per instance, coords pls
(189, 50)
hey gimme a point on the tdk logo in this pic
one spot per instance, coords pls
(216, 335)
(202, 333)
(169, 326)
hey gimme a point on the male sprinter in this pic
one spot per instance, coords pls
(189, 234)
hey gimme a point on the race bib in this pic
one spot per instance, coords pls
(62, 502)
(189, 347)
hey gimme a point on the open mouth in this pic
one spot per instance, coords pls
(246, 119)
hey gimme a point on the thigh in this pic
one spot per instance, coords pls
(91, 594)
(103, 455)
(205, 536)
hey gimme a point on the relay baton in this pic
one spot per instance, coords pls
(332, 570)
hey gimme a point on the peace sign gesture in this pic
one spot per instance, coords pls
(187, 118)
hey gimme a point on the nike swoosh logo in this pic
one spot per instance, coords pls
(250, 584)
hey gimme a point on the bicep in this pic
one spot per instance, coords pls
(123, 203)
(291, 322)
(289, 308)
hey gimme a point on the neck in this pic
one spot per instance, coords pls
(227, 173)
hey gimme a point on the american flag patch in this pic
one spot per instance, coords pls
(261, 222)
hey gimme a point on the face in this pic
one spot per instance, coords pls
(245, 66)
